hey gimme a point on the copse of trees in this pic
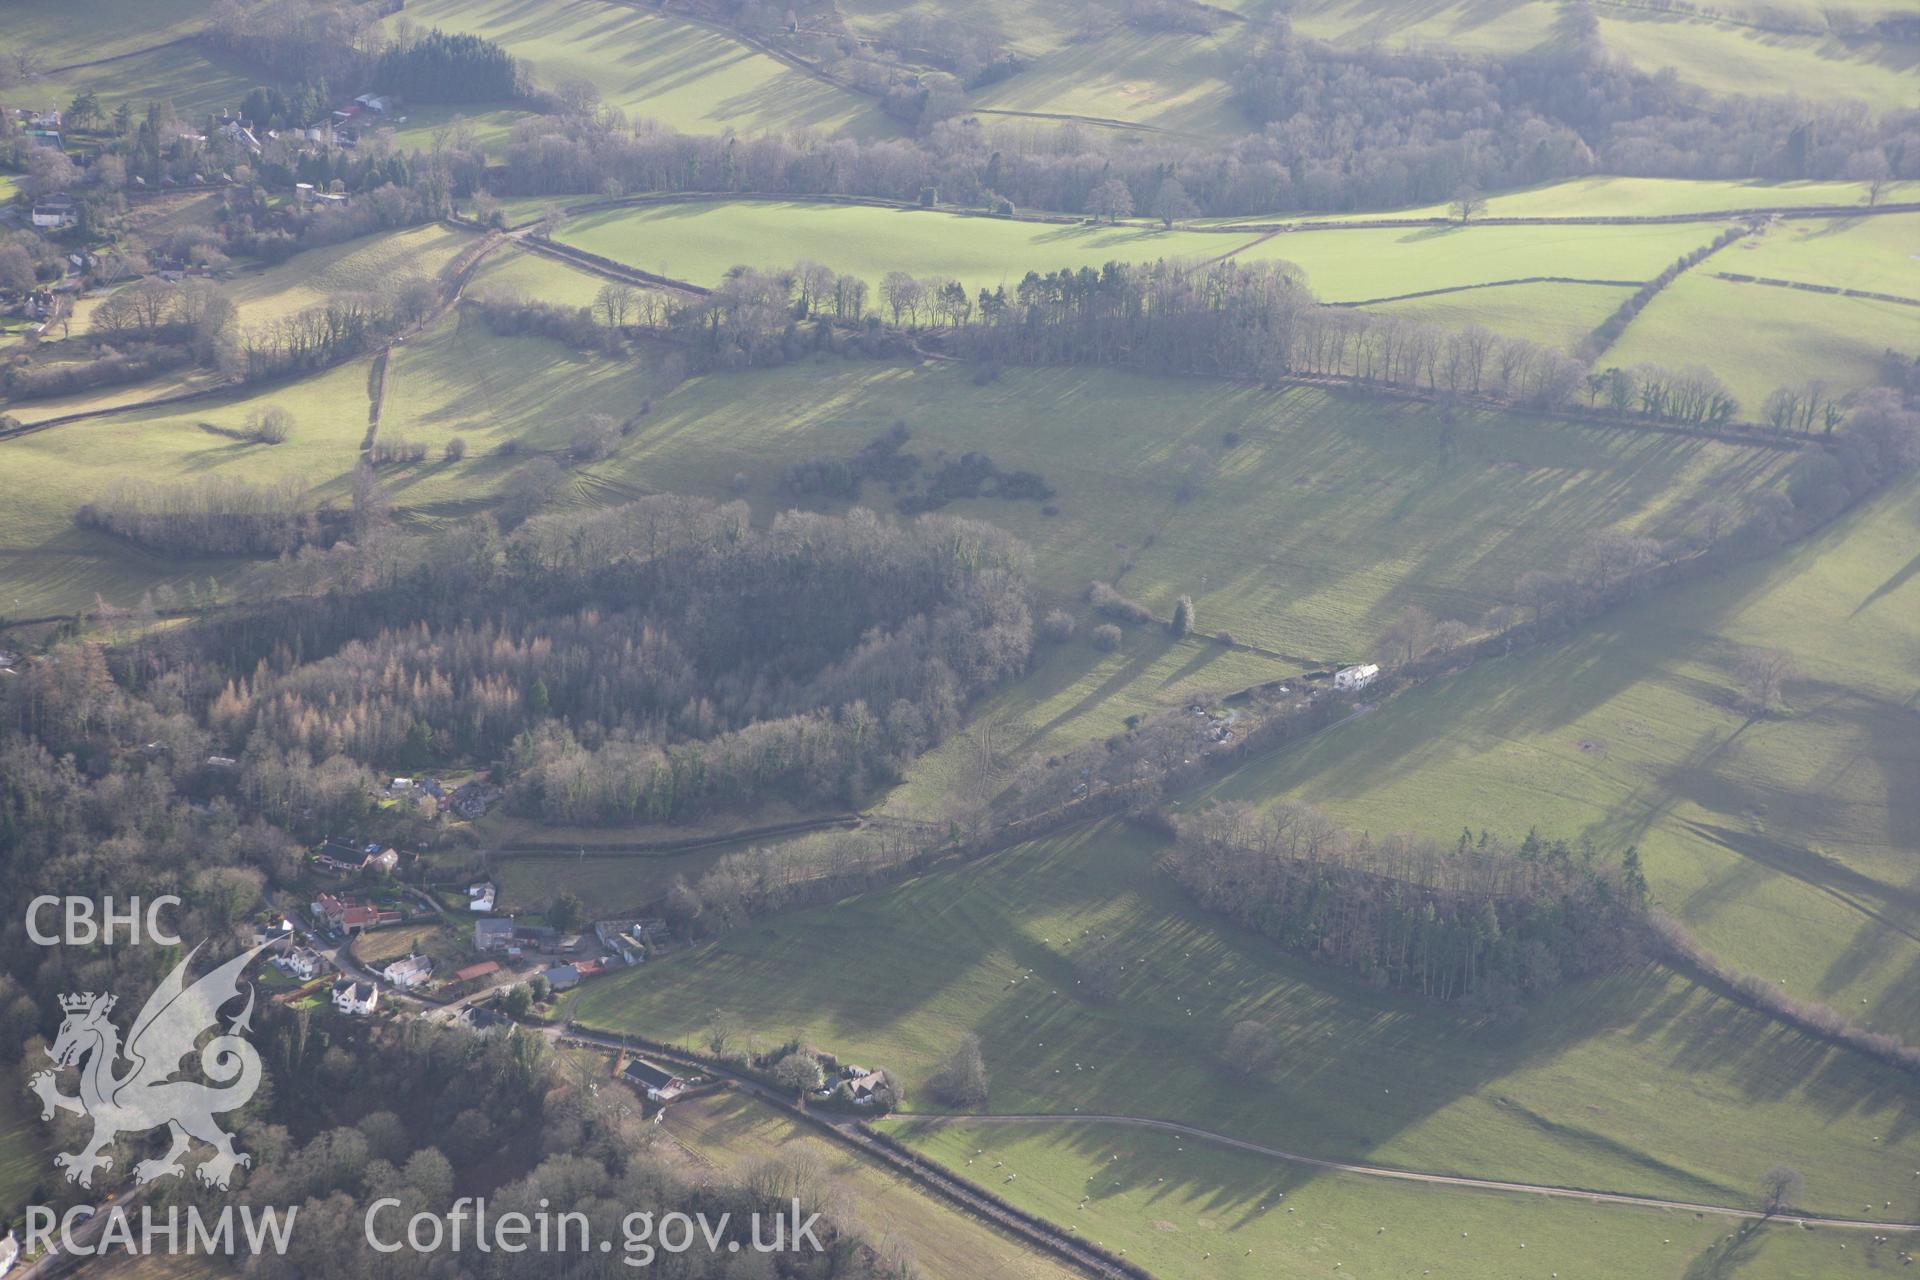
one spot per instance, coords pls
(441, 67)
(214, 515)
(1481, 920)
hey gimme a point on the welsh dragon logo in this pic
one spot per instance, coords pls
(144, 1095)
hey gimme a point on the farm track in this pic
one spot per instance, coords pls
(1411, 1175)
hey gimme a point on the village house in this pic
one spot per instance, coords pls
(1353, 679)
(864, 1087)
(54, 212)
(361, 917)
(303, 963)
(356, 998)
(658, 1085)
(472, 799)
(481, 1021)
(480, 897)
(408, 973)
(562, 977)
(327, 911)
(344, 856)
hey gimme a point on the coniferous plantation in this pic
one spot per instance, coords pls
(1125, 639)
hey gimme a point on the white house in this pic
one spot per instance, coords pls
(303, 963)
(1350, 679)
(357, 998)
(480, 897)
(408, 973)
(53, 211)
(9, 1253)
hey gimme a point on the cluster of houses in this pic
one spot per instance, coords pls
(468, 800)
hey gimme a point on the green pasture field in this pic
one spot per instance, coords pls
(1179, 1207)
(1363, 263)
(690, 76)
(1758, 337)
(1609, 196)
(1331, 514)
(1721, 55)
(1073, 694)
(48, 564)
(1725, 58)
(1641, 1082)
(459, 379)
(1256, 547)
(513, 271)
(362, 265)
(698, 241)
(1559, 315)
(195, 80)
(1878, 253)
(63, 32)
(1165, 81)
(1784, 843)
(491, 124)
(735, 1131)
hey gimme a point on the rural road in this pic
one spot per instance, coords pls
(1408, 1175)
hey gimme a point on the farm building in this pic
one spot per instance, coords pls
(657, 1084)
(1352, 679)
(493, 935)
(562, 977)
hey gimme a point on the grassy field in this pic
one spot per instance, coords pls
(1330, 514)
(1724, 56)
(48, 564)
(194, 80)
(733, 1131)
(699, 240)
(1350, 265)
(1641, 1082)
(1609, 196)
(69, 31)
(1447, 528)
(1180, 1207)
(1758, 337)
(1175, 82)
(690, 76)
(1874, 253)
(362, 265)
(521, 272)
(1560, 315)
(1785, 843)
